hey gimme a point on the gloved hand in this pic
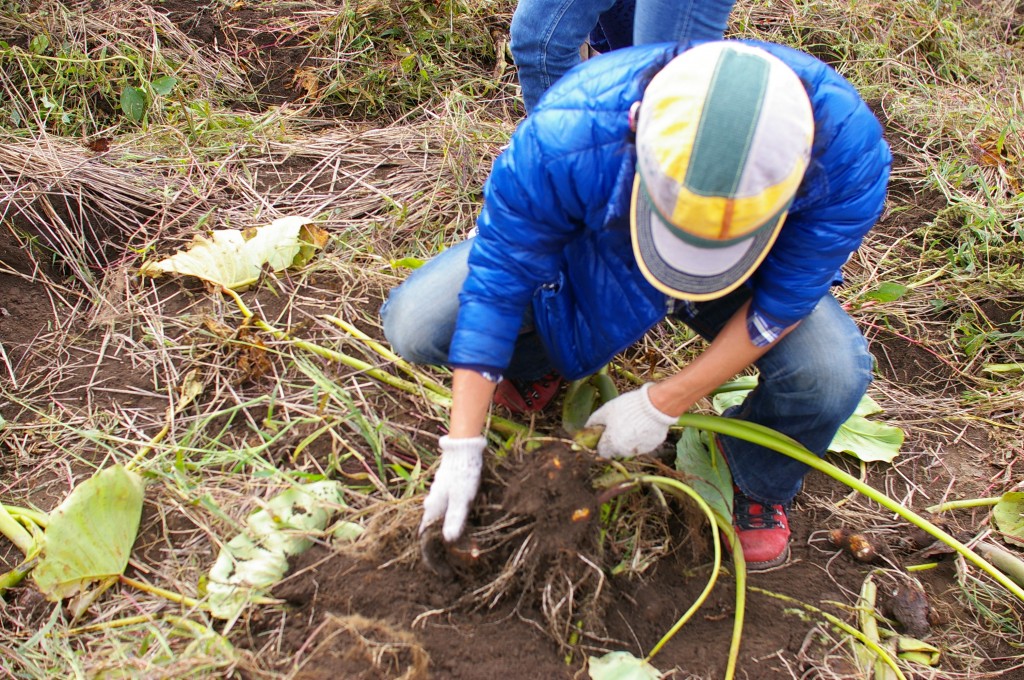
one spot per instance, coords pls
(455, 485)
(632, 425)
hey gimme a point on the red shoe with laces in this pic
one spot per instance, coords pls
(527, 396)
(763, 531)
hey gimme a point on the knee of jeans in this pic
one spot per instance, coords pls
(409, 334)
(831, 380)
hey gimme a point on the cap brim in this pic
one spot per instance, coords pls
(686, 270)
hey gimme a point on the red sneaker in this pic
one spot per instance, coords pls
(763, 531)
(522, 396)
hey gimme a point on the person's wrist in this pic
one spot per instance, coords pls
(660, 406)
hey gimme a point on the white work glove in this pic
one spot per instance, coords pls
(632, 425)
(455, 485)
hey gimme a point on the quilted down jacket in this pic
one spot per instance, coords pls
(554, 228)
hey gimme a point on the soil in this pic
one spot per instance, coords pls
(379, 610)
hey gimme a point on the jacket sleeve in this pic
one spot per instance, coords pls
(841, 198)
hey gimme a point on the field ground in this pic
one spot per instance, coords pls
(380, 121)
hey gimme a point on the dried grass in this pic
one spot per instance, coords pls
(95, 385)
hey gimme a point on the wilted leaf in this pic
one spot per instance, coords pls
(1008, 515)
(133, 103)
(253, 362)
(234, 259)
(99, 145)
(90, 535)
(708, 472)
(255, 560)
(621, 666)
(306, 79)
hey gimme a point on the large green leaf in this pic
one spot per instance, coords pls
(235, 259)
(1008, 516)
(865, 439)
(868, 440)
(90, 535)
(707, 471)
(621, 666)
(256, 559)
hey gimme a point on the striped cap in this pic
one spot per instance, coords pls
(723, 139)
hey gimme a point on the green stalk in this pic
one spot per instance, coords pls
(764, 436)
(963, 504)
(398, 361)
(18, 535)
(718, 524)
(681, 489)
(40, 519)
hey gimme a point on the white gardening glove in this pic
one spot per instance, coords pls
(632, 425)
(455, 485)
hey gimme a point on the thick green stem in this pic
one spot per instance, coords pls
(963, 504)
(763, 436)
(18, 535)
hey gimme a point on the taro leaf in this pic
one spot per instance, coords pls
(164, 85)
(864, 439)
(255, 560)
(868, 440)
(1008, 515)
(234, 259)
(708, 473)
(621, 666)
(133, 103)
(90, 535)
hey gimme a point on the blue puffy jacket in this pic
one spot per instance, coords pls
(554, 229)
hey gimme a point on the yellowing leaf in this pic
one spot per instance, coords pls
(621, 666)
(1008, 515)
(90, 535)
(235, 259)
(255, 560)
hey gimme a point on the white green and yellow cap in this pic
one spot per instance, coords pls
(723, 139)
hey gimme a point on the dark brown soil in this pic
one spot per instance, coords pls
(377, 612)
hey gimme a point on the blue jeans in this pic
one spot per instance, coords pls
(546, 35)
(810, 382)
(419, 317)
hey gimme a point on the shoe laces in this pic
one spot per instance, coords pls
(749, 514)
(530, 390)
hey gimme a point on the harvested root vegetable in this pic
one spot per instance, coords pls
(858, 545)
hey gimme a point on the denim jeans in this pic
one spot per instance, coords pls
(546, 36)
(419, 317)
(809, 384)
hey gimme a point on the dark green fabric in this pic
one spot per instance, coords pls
(727, 124)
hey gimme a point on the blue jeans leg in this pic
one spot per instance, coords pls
(809, 384)
(680, 20)
(545, 39)
(419, 317)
